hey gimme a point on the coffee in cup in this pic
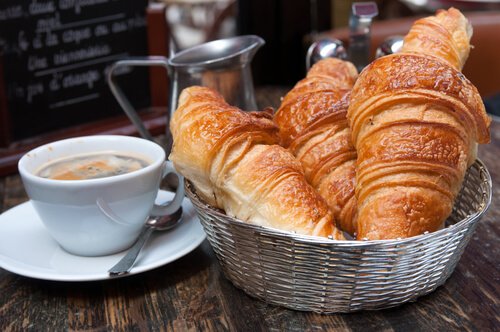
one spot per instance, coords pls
(92, 166)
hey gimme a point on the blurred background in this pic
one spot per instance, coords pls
(289, 27)
(55, 55)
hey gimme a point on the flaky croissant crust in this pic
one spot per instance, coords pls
(205, 118)
(232, 161)
(313, 125)
(401, 78)
(313, 98)
(416, 121)
(445, 35)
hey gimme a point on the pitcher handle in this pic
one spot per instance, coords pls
(120, 96)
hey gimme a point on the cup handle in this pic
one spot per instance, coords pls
(174, 204)
(120, 96)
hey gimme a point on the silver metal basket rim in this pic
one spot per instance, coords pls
(191, 191)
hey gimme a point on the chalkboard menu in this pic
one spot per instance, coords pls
(55, 53)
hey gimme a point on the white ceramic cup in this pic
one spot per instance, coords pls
(96, 217)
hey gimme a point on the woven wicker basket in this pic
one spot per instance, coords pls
(327, 276)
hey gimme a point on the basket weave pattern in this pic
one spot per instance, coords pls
(326, 276)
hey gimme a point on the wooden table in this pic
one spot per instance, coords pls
(192, 293)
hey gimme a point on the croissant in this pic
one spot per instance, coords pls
(313, 126)
(232, 159)
(415, 122)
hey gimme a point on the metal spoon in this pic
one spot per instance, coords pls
(325, 48)
(161, 223)
(390, 45)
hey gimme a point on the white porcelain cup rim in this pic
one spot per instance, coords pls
(120, 177)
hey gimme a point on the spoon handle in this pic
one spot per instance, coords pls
(127, 262)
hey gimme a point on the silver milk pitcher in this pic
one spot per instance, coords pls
(223, 65)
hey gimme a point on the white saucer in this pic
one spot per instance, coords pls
(27, 249)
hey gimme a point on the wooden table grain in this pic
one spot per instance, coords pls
(192, 294)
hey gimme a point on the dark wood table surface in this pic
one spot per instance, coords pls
(193, 294)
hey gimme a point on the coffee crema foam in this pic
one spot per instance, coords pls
(91, 166)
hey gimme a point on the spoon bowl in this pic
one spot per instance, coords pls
(160, 223)
(325, 48)
(163, 223)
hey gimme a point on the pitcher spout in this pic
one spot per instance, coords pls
(220, 53)
(254, 44)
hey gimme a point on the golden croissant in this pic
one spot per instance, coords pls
(313, 126)
(232, 159)
(415, 121)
